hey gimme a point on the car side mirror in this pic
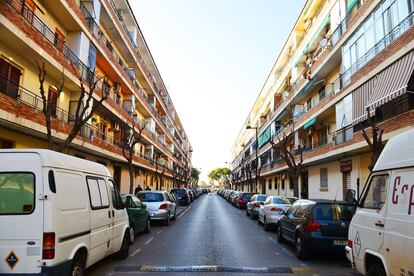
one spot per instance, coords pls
(261, 203)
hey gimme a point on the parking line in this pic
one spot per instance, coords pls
(158, 232)
(287, 251)
(185, 211)
(135, 252)
(149, 240)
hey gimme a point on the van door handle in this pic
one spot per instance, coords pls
(109, 214)
(379, 223)
(113, 213)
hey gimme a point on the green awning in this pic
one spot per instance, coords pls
(264, 137)
(352, 4)
(314, 37)
(310, 123)
(307, 87)
(281, 114)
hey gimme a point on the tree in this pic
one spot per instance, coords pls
(221, 175)
(159, 174)
(195, 175)
(285, 148)
(86, 108)
(376, 146)
(131, 138)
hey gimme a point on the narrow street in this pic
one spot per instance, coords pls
(213, 233)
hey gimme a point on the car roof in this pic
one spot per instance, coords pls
(323, 201)
(154, 192)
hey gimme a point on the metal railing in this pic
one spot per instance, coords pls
(343, 135)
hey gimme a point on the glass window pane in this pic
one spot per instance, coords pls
(104, 192)
(16, 193)
(94, 193)
(375, 196)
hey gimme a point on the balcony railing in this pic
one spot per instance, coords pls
(343, 135)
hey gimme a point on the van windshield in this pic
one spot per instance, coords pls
(16, 193)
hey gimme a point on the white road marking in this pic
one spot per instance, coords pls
(149, 240)
(272, 239)
(185, 211)
(287, 252)
(302, 264)
(135, 252)
(158, 232)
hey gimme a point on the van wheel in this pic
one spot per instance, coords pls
(78, 265)
(376, 269)
(148, 228)
(124, 250)
(301, 250)
(280, 238)
(131, 234)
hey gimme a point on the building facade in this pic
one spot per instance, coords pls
(343, 59)
(79, 41)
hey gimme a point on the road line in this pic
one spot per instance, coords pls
(149, 240)
(158, 232)
(272, 239)
(287, 251)
(182, 213)
(135, 252)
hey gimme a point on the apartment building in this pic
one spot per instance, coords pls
(79, 41)
(341, 58)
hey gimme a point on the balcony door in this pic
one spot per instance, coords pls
(9, 79)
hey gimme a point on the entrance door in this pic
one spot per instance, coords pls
(117, 176)
(346, 183)
(304, 188)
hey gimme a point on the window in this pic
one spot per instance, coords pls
(270, 184)
(59, 40)
(98, 193)
(324, 178)
(17, 193)
(343, 111)
(9, 79)
(52, 97)
(290, 184)
(334, 212)
(28, 9)
(275, 183)
(375, 196)
(116, 197)
(6, 144)
(283, 183)
(279, 200)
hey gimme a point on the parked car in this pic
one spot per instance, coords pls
(139, 218)
(183, 196)
(174, 199)
(381, 233)
(243, 198)
(292, 199)
(253, 206)
(159, 205)
(316, 225)
(271, 210)
(233, 197)
(192, 196)
(54, 209)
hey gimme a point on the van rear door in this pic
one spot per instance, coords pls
(21, 212)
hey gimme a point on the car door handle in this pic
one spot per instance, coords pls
(379, 223)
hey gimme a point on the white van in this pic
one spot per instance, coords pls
(381, 233)
(58, 214)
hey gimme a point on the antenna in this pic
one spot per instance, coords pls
(337, 192)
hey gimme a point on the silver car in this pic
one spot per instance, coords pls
(272, 210)
(160, 205)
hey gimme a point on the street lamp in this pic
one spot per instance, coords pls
(257, 158)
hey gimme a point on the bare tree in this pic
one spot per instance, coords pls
(132, 136)
(376, 146)
(158, 173)
(86, 108)
(285, 149)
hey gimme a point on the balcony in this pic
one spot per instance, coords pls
(343, 135)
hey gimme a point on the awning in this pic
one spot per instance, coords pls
(310, 123)
(360, 98)
(307, 87)
(392, 82)
(281, 114)
(352, 4)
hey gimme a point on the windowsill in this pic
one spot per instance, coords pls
(323, 189)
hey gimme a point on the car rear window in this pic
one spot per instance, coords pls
(179, 192)
(17, 193)
(334, 211)
(279, 200)
(247, 196)
(150, 197)
(261, 198)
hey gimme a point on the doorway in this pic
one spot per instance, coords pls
(304, 185)
(117, 176)
(346, 183)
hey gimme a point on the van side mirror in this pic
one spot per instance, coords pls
(261, 203)
(350, 196)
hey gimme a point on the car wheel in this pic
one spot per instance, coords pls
(301, 250)
(78, 265)
(131, 234)
(148, 228)
(175, 215)
(124, 250)
(280, 238)
(167, 220)
(376, 269)
(266, 225)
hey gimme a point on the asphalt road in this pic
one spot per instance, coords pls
(214, 235)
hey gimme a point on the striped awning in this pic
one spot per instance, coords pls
(360, 97)
(391, 82)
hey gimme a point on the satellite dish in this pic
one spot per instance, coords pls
(323, 42)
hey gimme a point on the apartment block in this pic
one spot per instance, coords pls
(343, 60)
(79, 41)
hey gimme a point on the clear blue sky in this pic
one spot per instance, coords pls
(214, 56)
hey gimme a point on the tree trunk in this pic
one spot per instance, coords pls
(131, 177)
(294, 178)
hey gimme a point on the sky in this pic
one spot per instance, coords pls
(214, 57)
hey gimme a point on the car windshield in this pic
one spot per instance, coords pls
(247, 196)
(334, 211)
(150, 197)
(279, 200)
(261, 198)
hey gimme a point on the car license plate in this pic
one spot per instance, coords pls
(340, 242)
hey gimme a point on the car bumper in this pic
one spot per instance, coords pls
(255, 212)
(349, 256)
(242, 205)
(326, 244)
(272, 219)
(158, 215)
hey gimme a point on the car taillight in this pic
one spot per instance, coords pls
(313, 226)
(164, 206)
(350, 243)
(276, 209)
(48, 246)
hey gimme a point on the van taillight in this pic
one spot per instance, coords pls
(49, 246)
(164, 206)
(313, 226)
(349, 243)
